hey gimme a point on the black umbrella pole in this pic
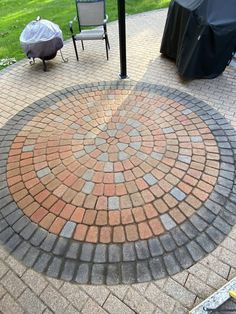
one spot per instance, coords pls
(122, 38)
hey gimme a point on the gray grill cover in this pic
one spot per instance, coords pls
(41, 39)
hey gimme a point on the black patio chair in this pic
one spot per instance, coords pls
(90, 13)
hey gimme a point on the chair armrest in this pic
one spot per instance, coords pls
(105, 20)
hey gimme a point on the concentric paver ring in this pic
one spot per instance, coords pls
(148, 119)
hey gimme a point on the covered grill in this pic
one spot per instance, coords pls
(201, 36)
(41, 39)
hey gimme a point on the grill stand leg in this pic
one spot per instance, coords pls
(63, 59)
(44, 66)
(32, 62)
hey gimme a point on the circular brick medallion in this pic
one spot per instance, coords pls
(117, 182)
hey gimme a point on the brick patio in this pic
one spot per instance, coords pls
(108, 182)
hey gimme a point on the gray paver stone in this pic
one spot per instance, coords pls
(98, 274)
(142, 250)
(49, 242)
(155, 247)
(60, 247)
(215, 234)
(38, 237)
(157, 267)
(179, 236)
(167, 221)
(54, 267)
(183, 257)
(28, 231)
(87, 252)
(21, 224)
(73, 250)
(206, 214)
(100, 254)
(13, 242)
(42, 262)
(113, 274)
(114, 253)
(14, 216)
(6, 235)
(171, 264)
(143, 272)
(31, 256)
(205, 242)
(198, 223)
(68, 229)
(68, 270)
(167, 242)
(195, 250)
(128, 271)
(83, 274)
(222, 225)
(190, 231)
(21, 250)
(128, 252)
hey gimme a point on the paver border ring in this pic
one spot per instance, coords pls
(173, 242)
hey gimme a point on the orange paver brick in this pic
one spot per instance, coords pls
(144, 230)
(105, 234)
(150, 211)
(118, 234)
(57, 225)
(67, 211)
(57, 207)
(49, 201)
(25, 202)
(80, 232)
(102, 218)
(109, 189)
(126, 216)
(39, 214)
(177, 215)
(156, 226)
(92, 234)
(89, 217)
(78, 214)
(161, 206)
(101, 203)
(131, 232)
(114, 218)
(47, 221)
(41, 196)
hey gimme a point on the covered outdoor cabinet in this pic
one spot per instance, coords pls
(201, 36)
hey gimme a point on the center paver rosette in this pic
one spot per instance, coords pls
(116, 182)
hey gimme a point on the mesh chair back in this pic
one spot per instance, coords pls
(90, 12)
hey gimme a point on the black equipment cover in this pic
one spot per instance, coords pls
(201, 36)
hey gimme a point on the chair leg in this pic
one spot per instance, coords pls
(82, 43)
(76, 52)
(105, 31)
(106, 44)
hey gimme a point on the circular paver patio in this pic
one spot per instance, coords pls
(116, 182)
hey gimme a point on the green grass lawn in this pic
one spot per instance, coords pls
(14, 15)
